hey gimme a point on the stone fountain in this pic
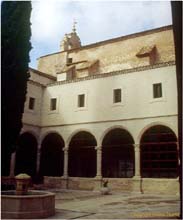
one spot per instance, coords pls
(26, 204)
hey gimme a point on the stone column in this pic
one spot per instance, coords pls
(137, 160)
(38, 159)
(65, 174)
(99, 161)
(178, 153)
(12, 164)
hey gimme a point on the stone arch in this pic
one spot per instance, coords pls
(32, 132)
(159, 153)
(42, 137)
(77, 131)
(112, 128)
(26, 154)
(82, 155)
(151, 125)
(118, 153)
(52, 155)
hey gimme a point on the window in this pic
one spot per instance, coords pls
(117, 95)
(81, 100)
(157, 90)
(69, 60)
(31, 103)
(53, 104)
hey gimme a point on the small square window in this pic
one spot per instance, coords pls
(81, 100)
(31, 103)
(53, 104)
(69, 60)
(117, 95)
(157, 90)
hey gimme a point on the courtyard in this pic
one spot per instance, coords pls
(77, 204)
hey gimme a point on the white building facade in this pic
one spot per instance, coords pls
(104, 111)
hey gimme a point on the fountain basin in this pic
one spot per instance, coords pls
(34, 204)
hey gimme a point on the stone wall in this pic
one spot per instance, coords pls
(115, 54)
(145, 185)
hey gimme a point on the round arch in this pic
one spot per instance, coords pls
(26, 154)
(158, 153)
(82, 155)
(152, 125)
(78, 131)
(45, 134)
(112, 128)
(52, 155)
(32, 132)
(118, 154)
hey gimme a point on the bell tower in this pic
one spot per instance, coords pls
(71, 41)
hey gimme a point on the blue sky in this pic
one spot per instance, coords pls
(96, 21)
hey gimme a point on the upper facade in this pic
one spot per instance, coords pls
(122, 53)
(130, 77)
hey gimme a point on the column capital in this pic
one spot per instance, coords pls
(98, 148)
(39, 146)
(65, 149)
(136, 146)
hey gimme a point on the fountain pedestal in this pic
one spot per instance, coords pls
(22, 183)
(26, 204)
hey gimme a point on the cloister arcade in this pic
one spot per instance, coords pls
(155, 156)
(118, 154)
(26, 154)
(52, 155)
(82, 154)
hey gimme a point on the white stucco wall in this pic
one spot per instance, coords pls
(137, 112)
(137, 98)
(33, 117)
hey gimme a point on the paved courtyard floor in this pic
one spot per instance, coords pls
(74, 204)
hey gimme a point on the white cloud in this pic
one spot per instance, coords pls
(97, 20)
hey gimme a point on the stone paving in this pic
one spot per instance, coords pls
(75, 204)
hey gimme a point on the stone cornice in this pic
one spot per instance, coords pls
(114, 73)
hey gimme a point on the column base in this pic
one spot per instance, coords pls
(137, 177)
(65, 180)
(98, 177)
(97, 183)
(65, 177)
(137, 184)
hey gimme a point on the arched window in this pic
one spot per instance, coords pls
(52, 155)
(26, 155)
(82, 155)
(159, 155)
(118, 154)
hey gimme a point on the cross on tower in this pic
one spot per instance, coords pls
(74, 25)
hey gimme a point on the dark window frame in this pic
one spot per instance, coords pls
(32, 101)
(157, 90)
(69, 60)
(81, 100)
(117, 96)
(53, 104)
